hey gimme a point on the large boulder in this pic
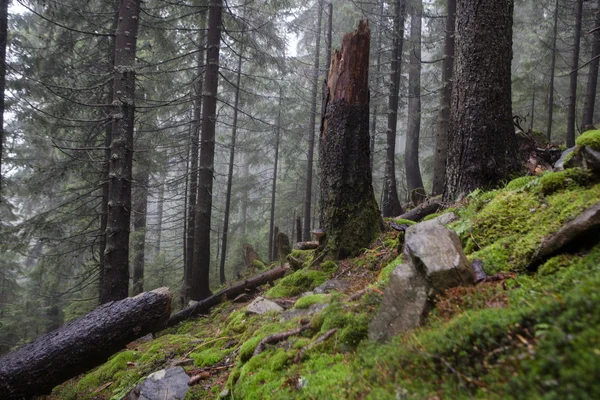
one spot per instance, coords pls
(436, 253)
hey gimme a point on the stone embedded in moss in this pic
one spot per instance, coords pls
(590, 139)
(569, 178)
(297, 283)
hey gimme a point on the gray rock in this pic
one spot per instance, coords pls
(591, 158)
(224, 394)
(302, 312)
(332, 285)
(260, 305)
(445, 219)
(585, 227)
(560, 164)
(405, 304)
(166, 384)
(436, 253)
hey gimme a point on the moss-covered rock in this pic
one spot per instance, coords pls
(589, 139)
(297, 283)
(569, 178)
(307, 301)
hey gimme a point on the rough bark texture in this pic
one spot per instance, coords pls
(574, 73)
(481, 140)
(414, 182)
(193, 162)
(282, 243)
(55, 357)
(200, 288)
(298, 229)
(311, 131)
(203, 306)
(272, 233)
(592, 82)
(3, 41)
(441, 133)
(116, 269)
(349, 212)
(140, 205)
(250, 255)
(422, 210)
(550, 104)
(391, 205)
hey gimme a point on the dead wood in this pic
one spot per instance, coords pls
(321, 339)
(429, 207)
(307, 245)
(278, 337)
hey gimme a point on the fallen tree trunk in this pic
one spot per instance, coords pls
(36, 368)
(306, 245)
(421, 211)
(203, 306)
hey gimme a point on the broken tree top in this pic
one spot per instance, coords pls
(349, 76)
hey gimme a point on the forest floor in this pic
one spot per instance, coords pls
(523, 334)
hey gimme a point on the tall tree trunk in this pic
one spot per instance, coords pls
(311, 129)
(482, 139)
(140, 207)
(532, 105)
(244, 202)
(574, 73)
(159, 211)
(200, 274)
(411, 156)
(348, 209)
(3, 42)
(298, 229)
(592, 82)
(378, 83)
(391, 204)
(193, 172)
(236, 103)
(441, 133)
(272, 233)
(116, 271)
(550, 105)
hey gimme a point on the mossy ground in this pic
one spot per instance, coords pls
(526, 335)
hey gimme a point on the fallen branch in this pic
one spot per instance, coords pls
(278, 337)
(421, 211)
(36, 368)
(203, 306)
(321, 339)
(306, 245)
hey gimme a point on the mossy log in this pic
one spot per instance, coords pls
(349, 212)
(203, 306)
(37, 367)
(422, 210)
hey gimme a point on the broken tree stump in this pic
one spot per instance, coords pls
(203, 306)
(36, 368)
(349, 212)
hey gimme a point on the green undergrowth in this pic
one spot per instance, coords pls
(589, 138)
(530, 334)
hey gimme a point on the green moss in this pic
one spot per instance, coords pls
(431, 216)
(329, 267)
(384, 275)
(567, 179)
(236, 322)
(353, 333)
(208, 357)
(402, 221)
(554, 264)
(590, 139)
(307, 301)
(522, 182)
(248, 347)
(297, 283)
(259, 265)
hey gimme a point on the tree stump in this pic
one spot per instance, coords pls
(349, 212)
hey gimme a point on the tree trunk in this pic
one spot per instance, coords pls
(272, 234)
(245, 194)
(348, 209)
(230, 293)
(159, 211)
(298, 229)
(482, 140)
(140, 206)
(574, 73)
(590, 93)
(193, 170)
(411, 156)
(236, 103)
(273, 245)
(36, 368)
(550, 105)
(391, 205)
(441, 133)
(3, 42)
(378, 83)
(311, 129)
(200, 283)
(116, 271)
(422, 210)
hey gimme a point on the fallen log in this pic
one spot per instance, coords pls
(306, 245)
(203, 306)
(421, 211)
(36, 368)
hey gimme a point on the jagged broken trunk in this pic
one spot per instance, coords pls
(349, 213)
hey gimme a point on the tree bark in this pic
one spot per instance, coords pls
(116, 271)
(298, 229)
(236, 103)
(348, 209)
(574, 73)
(311, 130)
(414, 182)
(441, 133)
(3, 42)
(200, 273)
(592, 82)
(422, 210)
(391, 204)
(36, 368)
(550, 105)
(272, 233)
(378, 83)
(482, 140)
(140, 206)
(203, 306)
